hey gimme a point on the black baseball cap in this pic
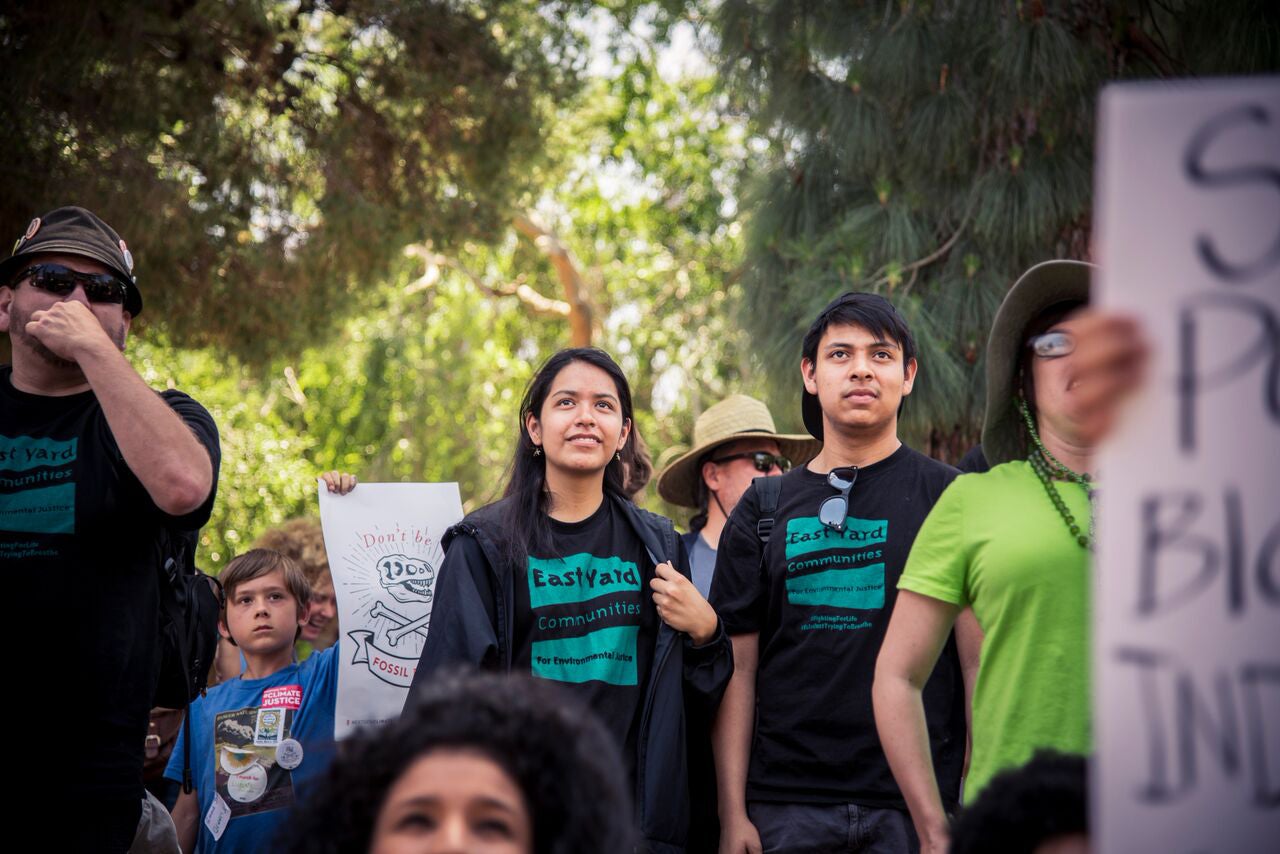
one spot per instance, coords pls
(76, 231)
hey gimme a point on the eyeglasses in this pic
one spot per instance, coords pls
(1052, 345)
(834, 510)
(764, 461)
(61, 281)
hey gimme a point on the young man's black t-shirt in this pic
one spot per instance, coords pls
(585, 618)
(79, 561)
(821, 604)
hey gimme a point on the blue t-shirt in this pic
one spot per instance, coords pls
(236, 733)
(702, 564)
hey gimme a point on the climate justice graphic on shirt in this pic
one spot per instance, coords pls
(383, 542)
(586, 618)
(836, 569)
(37, 486)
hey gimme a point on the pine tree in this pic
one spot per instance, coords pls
(933, 151)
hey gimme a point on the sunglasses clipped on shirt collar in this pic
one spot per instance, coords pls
(834, 509)
(60, 280)
(763, 460)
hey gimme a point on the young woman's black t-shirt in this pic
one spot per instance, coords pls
(584, 617)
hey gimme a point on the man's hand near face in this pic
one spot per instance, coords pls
(72, 331)
(164, 454)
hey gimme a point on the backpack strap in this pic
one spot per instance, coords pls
(767, 491)
(179, 595)
(187, 785)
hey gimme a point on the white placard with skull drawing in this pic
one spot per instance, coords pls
(383, 541)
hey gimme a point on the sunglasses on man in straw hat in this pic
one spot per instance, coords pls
(735, 418)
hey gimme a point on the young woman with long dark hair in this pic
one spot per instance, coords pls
(566, 579)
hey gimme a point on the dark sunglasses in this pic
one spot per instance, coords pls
(764, 462)
(834, 510)
(61, 281)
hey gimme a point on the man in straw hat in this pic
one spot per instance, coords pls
(95, 469)
(805, 581)
(734, 442)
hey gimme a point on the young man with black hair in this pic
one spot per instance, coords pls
(96, 468)
(805, 581)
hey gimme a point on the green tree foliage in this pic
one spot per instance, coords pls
(932, 151)
(422, 387)
(638, 187)
(644, 200)
(267, 159)
(422, 378)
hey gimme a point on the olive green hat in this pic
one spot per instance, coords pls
(736, 417)
(76, 231)
(1043, 286)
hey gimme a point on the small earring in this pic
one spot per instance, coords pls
(537, 450)
(617, 455)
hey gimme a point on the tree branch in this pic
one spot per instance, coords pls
(575, 306)
(575, 292)
(535, 302)
(915, 266)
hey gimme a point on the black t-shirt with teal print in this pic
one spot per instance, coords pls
(821, 604)
(79, 559)
(585, 618)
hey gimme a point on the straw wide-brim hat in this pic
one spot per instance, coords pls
(1043, 286)
(736, 417)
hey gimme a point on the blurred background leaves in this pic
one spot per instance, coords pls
(360, 225)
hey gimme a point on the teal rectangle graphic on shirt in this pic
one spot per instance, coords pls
(578, 578)
(23, 453)
(606, 655)
(805, 534)
(861, 588)
(47, 510)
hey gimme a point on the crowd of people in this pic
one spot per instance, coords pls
(855, 647)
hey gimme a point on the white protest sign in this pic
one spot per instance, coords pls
(1187, 582)
(383, 542)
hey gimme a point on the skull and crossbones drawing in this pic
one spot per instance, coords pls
(404, 625)
(406, 579)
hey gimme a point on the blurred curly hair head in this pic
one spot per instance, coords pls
(302, 541)
(557, 752)
(1021, 808)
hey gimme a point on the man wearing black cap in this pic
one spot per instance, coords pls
(95, 466)
(798, 762)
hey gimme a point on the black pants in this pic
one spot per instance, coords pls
(829, 828)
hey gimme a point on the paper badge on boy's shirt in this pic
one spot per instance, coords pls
(217, 817)
(247, 773)
(289, 754)
(269, 727)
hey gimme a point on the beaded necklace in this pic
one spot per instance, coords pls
(1049, 468)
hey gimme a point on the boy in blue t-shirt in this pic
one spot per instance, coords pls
(259, 740)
